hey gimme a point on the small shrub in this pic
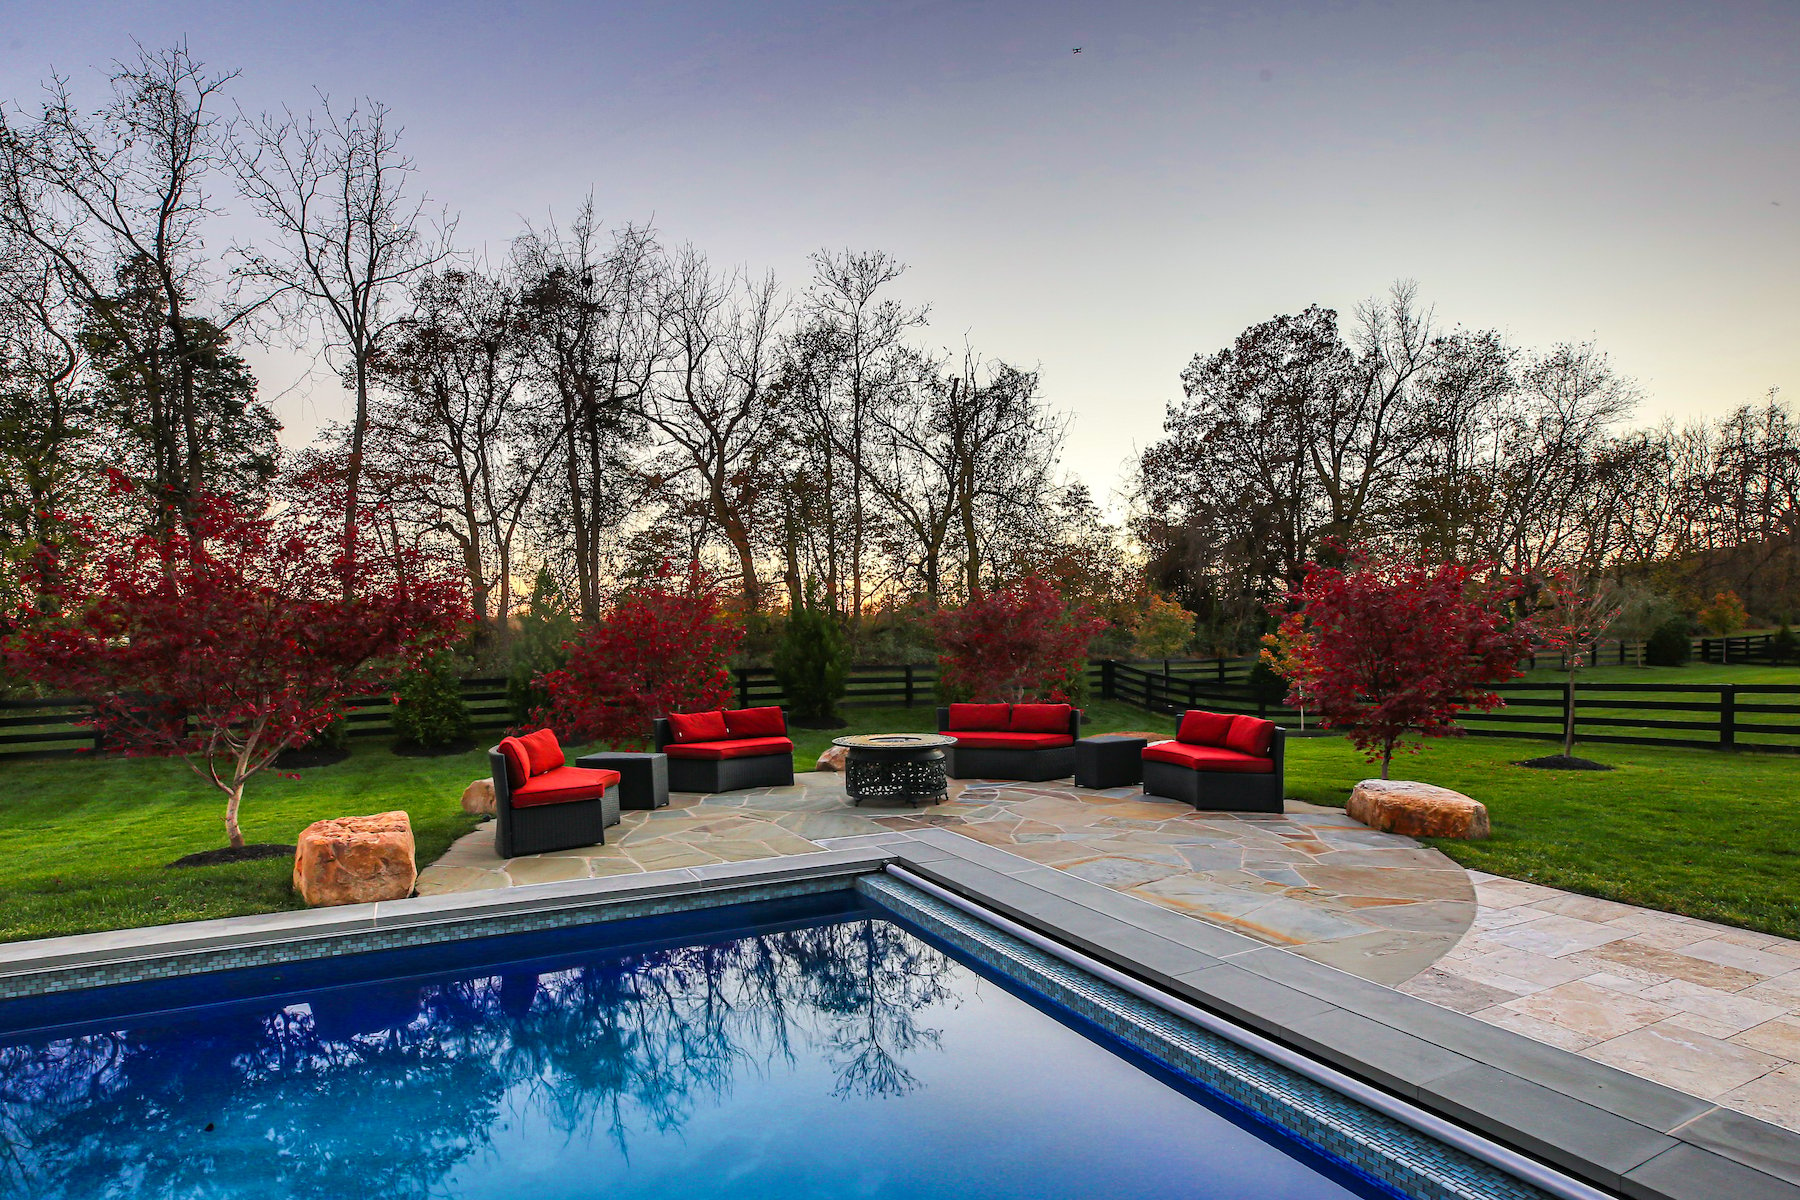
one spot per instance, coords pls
(1724, 614)
(665, 647)
(1163, 629)
(546, 627)
(1024, 642)
(429, 711)
(1266, 684)
(1783, 647)
(1668, 646)
(810, 663)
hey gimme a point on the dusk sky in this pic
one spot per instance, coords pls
(1622, 172)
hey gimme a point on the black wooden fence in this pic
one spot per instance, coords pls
(1735, 716)
(1691, 716)
(50, 726)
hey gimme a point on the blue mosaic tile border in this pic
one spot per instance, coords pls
(1374, 1145)
(366, 941)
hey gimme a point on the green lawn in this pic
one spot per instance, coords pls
(85, 842)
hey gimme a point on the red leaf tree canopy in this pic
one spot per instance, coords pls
(230, 637)
(665, 647)
(1020, 643)
(1388, 650)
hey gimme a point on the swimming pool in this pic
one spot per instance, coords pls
(818, 1045)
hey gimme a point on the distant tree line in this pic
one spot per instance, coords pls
(592, 404)
(1453, 445)
(596, 400)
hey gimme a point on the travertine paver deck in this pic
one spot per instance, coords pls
(1311, 880)
(1708, 1009)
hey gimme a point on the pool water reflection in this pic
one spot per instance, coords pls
(823, 1053)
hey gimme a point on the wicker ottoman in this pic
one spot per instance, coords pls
(643, 778)
(1109, 761)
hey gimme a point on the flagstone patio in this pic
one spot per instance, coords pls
(1708, 1009)
(1311, 880)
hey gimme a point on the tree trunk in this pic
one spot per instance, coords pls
(1569, 715)
(234, 798)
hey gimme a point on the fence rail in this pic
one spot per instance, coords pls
(1733, 716)
(1689, 716)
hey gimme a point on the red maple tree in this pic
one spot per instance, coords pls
(666, 647)
(1022, 642)
(1572, 615)
(1390, 649)
(229, 637)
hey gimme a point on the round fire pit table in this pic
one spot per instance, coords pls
(895, 766)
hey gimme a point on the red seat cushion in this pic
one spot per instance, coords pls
(561, 785)
(542, 750)
(993, 718)
(980, 740)
(734, 748)
(698, 727)
(1208, 758)
(1204, 728)
(754, 723)
(1251, 735)
(1040, 718)
(518, 761)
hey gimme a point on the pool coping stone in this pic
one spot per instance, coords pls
(1616, 1130)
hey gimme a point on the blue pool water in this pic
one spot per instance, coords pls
(811, 1047)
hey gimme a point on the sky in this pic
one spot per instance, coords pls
(1621, 172)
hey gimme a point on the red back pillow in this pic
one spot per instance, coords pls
(698, 727)
(1204, 728)
(1249, 735)
(542, 751)
(518, 761)
(755, 722)
(974, 718)
(1040, 718)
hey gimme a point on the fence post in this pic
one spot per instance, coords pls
(743, 688)
(1568, 691)
(909, 685)
(1727, 717)
(1108, 678)
(1221, 662)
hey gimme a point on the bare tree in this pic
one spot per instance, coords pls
(595, 330)
(116, 200)
(712, 402)
(350, 239)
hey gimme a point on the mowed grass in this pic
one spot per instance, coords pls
(1707, 833)
(86, 841)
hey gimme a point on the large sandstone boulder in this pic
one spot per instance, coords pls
(832, 759)
(1417, 809)
(478, 798)
(354, 860)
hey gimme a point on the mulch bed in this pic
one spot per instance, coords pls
(300, 758)
(1562, 762)
(414, 750)
(231, 854)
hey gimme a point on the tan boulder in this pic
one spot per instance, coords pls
(1417, 809)
(832, 759)
(478, 798)
(355, 860)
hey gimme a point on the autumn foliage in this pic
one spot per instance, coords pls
(228, 636)
(1391, 650)
(665, 647)
(1023, 642)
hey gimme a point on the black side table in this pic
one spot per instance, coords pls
(643, 778)
(1109, 761)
